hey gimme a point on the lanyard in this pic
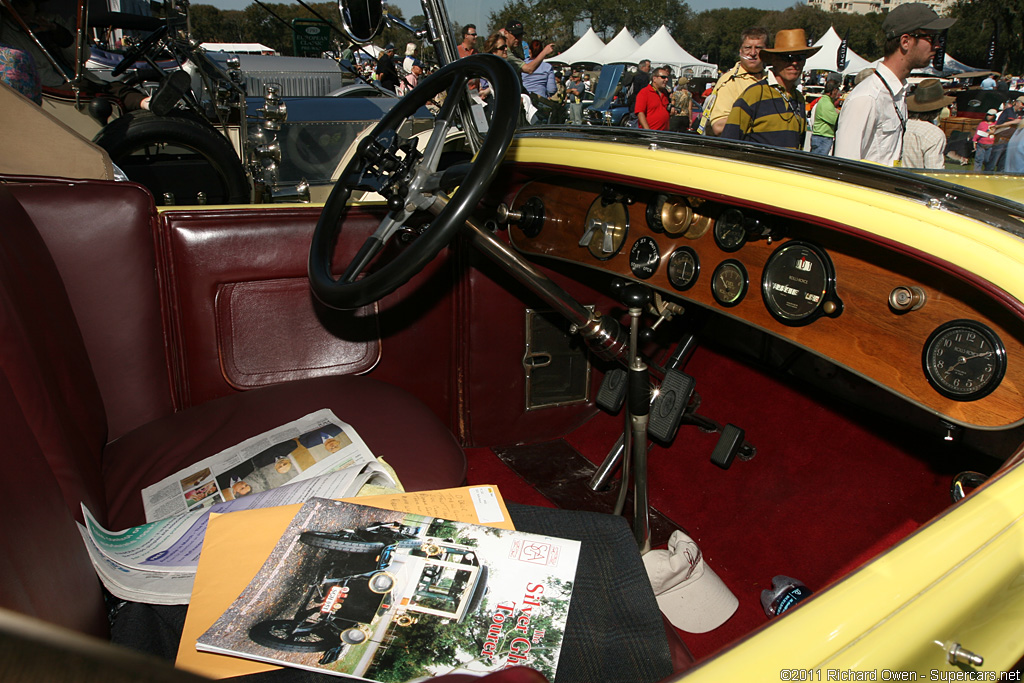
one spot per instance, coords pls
(903, 122)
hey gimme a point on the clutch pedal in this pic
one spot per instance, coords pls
(667, 409)
(612, 393)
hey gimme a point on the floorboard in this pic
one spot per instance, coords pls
(559, 473)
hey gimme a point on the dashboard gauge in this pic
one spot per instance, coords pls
(729, 283)
(964, 360)
(683, 268)
(798, 284)
(670, 214)
(644, 257)
(605, 229)
(730, 234)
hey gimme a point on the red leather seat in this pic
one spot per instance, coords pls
(52, 405)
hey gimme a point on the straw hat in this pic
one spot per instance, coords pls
(792, 41)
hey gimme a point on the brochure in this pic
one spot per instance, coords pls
(391, 596)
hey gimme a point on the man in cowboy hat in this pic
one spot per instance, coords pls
(924, 143)
(772, 111)
(874, 114)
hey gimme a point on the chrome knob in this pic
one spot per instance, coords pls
(903, 299)
(507, 215)
(959, 655)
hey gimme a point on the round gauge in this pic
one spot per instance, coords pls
(964, 360)
(605, 229)
(644, 257)
(683, 268)
(669, 214)
(729, 282)
(730, 234)
(798, 284)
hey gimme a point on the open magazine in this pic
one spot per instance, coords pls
(315, 456)
(390, 596)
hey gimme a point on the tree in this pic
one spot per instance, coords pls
(977, 22)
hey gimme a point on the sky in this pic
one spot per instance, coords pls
(478, 11)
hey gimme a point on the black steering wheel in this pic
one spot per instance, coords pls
(391, 165)
(142, 48)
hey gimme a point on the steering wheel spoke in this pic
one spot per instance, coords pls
(409, 179)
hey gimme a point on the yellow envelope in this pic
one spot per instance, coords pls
(238, 543)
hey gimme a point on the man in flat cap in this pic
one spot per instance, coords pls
(874, 116)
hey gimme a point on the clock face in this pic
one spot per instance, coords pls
(964, 360)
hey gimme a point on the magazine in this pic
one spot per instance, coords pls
(156, 562)
(302, 449)
(391, 596)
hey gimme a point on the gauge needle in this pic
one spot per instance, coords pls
(725, 282)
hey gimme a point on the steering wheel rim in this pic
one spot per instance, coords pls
(142, 48)
(347, 292)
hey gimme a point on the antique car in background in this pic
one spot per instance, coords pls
(249, 128)
(829, 356)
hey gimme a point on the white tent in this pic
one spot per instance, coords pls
(827, 56)
(621, 45)
(662, 49)
(950, 68)
(581, 50)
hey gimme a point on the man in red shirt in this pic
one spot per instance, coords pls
(652, 102)
(468, 45)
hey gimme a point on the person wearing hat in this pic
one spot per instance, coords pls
(924, 143)
(874, 114)
(680, 106)
(772, 111)
(387, 72)
(984, 142)
(513, 34)
(748, 70)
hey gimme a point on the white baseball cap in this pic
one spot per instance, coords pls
(689, 592)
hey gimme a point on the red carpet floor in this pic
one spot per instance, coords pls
(827, 490)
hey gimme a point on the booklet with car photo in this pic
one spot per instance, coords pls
(391, 596)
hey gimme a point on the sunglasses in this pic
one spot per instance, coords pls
(501, 48)
(930, 37)
(791, 57)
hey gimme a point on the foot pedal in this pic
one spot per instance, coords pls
(729, 444)
(667, 409)
(612, 393)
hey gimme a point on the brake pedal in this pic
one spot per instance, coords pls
(667, 409)
(612, 393)
(729, 445)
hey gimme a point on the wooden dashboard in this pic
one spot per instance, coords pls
(696, 250)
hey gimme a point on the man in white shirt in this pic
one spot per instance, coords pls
(874, 116)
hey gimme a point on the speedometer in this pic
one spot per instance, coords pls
(798, 284)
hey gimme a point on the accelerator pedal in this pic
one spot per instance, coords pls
(667, 409)
(612, 393)
(729, 445)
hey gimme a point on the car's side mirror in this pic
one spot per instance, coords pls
(361, 20)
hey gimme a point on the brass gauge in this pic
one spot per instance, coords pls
(605, 228)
